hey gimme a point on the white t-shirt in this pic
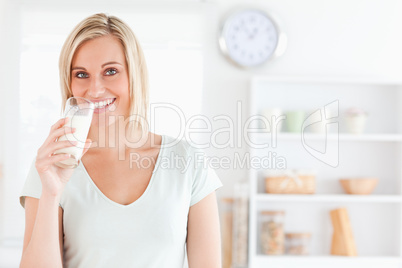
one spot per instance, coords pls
(150, 232)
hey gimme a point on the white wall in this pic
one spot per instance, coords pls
(2, 12)
(9, 68)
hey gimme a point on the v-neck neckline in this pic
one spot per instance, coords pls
(139, 199)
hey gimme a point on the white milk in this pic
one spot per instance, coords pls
(81, 123)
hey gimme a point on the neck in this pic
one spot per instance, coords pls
(112, 138)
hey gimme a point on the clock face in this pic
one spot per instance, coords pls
(249, 38)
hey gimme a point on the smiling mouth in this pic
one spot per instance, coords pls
(103, 105)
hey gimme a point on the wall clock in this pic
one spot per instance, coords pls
(250, 37)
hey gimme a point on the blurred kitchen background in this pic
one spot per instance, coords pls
(343, 58)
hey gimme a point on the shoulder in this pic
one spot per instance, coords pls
(184, 156)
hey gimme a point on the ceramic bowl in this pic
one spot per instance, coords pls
(362, 186)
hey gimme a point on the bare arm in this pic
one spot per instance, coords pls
(203, 234)
(43, 239)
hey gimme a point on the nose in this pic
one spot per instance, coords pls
(96, 88)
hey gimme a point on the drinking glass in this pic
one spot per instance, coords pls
(79, 111)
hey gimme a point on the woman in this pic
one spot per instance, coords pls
(113, 210)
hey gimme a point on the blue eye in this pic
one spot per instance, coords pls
(81, 75)
(111, 71)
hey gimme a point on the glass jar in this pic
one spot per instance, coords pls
(272, 236)
(298, 243)
(240, 225)
(227, 231)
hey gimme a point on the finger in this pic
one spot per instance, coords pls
(57, 133)
(43, 164)
(87, 145)
(59, 123)
(56, 158)
(49, 150)
(46, 148)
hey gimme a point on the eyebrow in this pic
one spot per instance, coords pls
(103, 65)
(111, 62)
(78, 68)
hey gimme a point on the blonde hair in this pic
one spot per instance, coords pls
(99, 25)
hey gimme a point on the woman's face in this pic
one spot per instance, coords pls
(99, 73)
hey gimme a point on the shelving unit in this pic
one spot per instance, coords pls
(376, 219)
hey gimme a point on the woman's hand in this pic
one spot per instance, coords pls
(53, 177)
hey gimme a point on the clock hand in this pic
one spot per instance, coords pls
(254, 33)
(245, 29)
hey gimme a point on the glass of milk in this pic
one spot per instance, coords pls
(79, 111)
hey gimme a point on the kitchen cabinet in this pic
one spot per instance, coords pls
(375, 218)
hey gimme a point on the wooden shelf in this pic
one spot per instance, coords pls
(329, 198)
(324, 261)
